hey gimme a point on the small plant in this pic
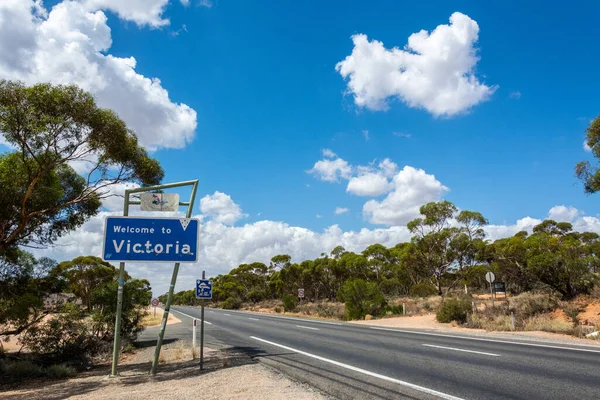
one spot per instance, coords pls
(60, 371)
(423, 290)
(529, 304)
(572, 311)
(361, 298)
(395, 310)
(18, 370)
(278, 309)
(454, 310)
(547, 324)
(128, 348)
(289, 302)
(231, 303)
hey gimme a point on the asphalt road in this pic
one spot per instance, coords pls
(350, 361)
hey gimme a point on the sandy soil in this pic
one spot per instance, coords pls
(150, 320)
(227, 374)
(429, 322)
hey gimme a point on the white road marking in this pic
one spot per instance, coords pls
(363, 371)
(466, 351)
(189, 316)
(229, 315)
(307, 327)
(292, 318)
(253, 319)
(486, 340)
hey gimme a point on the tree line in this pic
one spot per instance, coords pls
(448, 251)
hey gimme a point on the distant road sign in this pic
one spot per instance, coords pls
(490, 277)
(499, 287)
(155, 302)
(150, 239)
(301, 293)
(159, 201)
(203, 289)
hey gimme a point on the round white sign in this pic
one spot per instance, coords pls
(490, 277)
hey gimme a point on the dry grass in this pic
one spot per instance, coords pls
(180, 351)
(490, 322)
(546, 323)
(151, 320)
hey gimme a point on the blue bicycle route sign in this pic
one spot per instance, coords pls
(203, 289)
(150, 239)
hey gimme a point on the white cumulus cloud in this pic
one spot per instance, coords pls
(411, 189)
(328, 153)
(331, 170)
(434, 71)
(563, 213)
(341, 210)
(221, 208)
(70, 45)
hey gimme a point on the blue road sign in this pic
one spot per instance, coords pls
(150, 239)
(203, 289)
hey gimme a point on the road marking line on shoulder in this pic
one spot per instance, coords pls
(549, 346)
(189, 316)
(466, 351)
(254, 319)
(265, 315)
(307, 327)
(229, 315)
(363, 371)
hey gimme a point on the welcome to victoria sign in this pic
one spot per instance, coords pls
(150, 239)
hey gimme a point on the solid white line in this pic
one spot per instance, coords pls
(265, 315)
(254, 319)
(229, 315)
(307, 327)
(486, 340)
(189, 316)
(363, 371)
(466, 351)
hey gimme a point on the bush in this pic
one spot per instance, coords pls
(289, 302)
(454, 310)
(529, 304)
(490, 322)
(423, 290)
(59, 371)
(395, 310)
(361, 298)
(572, 311)
(278, 309)
(231, 303)
(18, 370)
(547, 324)
(64, 338)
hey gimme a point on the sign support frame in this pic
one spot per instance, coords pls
(121, 282)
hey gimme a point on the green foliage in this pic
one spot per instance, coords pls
(423, 290)
(529, 304)
(454, 310)
(590, 176)
(65, 337)
(361, 298)
(52, 126)
(21, 370)
(289, 302)
(572, 311)
(231, 303)
(60, 371)
(278, 309)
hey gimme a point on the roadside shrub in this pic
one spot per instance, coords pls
(361, 298)
(454, 310)
(60, 371)
(278, 309)
(289, 302)
(423, 290)
(572, 311)
(489, 323)
(529, 304)
(395, 310)
(64, 338)
(231, 303)
(547, 324)
(19, 370)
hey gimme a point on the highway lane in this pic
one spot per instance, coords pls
(356, 361)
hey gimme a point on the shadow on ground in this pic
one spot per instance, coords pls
(131, 374)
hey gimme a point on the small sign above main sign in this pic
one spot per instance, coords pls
(490, 277)
(159, 202)
(155, 302)
(301, 293)
(150, 239)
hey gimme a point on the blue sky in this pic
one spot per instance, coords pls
(247, 96)
(262, 79)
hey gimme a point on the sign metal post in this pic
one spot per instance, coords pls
(203, 292)
(121, 282)
(490, 278)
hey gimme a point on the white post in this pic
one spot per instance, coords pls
(194, 334)
(404, 309)
(512, 320)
